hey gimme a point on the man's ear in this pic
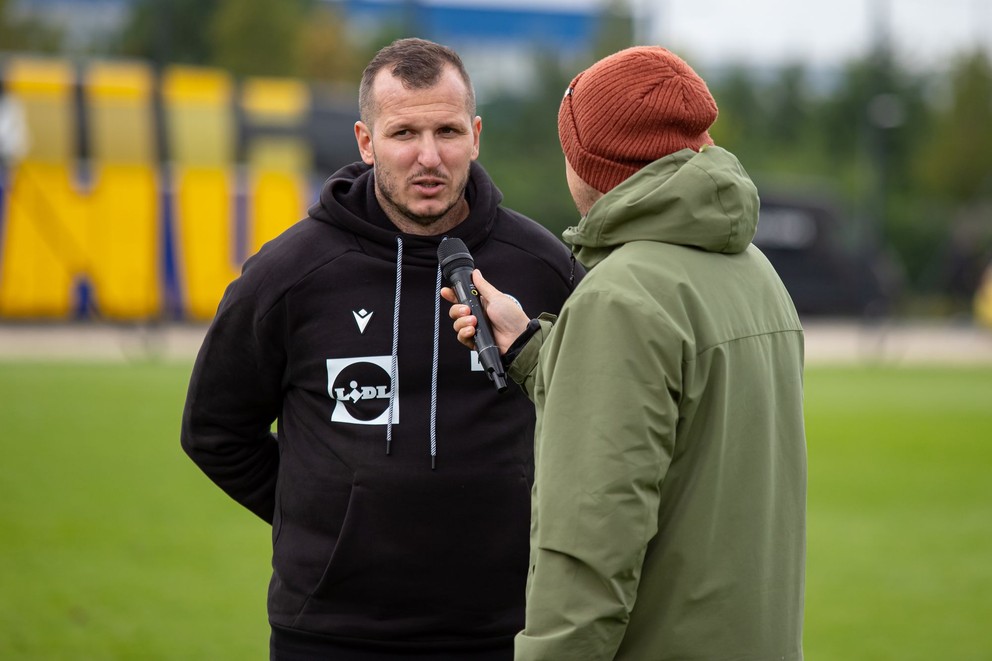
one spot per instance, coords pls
(476, 131)
(363, 135)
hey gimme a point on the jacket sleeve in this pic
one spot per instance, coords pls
(234, 396)
(610, 382)
(523, 367)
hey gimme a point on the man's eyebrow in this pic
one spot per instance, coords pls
(398, 125)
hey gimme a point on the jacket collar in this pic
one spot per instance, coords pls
(699, 199)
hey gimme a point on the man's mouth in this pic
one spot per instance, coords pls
(428, 185)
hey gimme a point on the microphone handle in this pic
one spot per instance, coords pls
(485, 345)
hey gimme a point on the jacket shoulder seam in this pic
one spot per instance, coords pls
(738, 338)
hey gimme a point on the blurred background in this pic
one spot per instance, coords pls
(148, 147)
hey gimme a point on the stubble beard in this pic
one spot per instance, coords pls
(385, 186)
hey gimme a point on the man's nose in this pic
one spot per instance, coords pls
(429, 156)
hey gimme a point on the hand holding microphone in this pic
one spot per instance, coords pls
(509, 320)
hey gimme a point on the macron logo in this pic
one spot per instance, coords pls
(362, 318)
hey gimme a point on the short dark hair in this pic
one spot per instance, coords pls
(418, 64)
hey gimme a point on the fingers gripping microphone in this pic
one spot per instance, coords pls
(457, 265)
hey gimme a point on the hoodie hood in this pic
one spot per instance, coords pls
(699, 199)
(347, 200)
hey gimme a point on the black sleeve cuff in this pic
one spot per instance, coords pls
(518, 344)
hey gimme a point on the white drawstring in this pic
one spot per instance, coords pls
(394, 359)
(437, 327)
(396, 342)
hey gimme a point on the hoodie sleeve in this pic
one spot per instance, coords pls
(604, 442)
(234, 396)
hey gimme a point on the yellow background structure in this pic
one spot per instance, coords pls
(124, 224)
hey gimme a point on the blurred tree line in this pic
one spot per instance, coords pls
(904, 155)
(24, 33)
(303, 38)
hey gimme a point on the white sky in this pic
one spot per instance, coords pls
(818, 32)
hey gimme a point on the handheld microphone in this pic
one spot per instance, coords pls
(457, 265)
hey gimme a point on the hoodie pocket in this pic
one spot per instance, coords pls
(441, 551)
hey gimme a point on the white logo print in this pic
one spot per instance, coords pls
(362, 318)
(360, 390)
(475, 362)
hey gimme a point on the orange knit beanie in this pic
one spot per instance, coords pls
(630, 109)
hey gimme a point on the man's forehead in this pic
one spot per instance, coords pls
(385, 82)
(392, 97)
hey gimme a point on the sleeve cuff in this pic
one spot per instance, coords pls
(511, 354)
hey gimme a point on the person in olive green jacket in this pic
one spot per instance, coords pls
(669, 503)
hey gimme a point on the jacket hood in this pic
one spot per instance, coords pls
(347, 200)
(700, 199)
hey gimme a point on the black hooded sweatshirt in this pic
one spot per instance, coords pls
(336, 329)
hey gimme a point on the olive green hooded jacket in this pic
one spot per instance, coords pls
(668, 516)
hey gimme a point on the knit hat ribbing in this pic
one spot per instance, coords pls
(630, 109)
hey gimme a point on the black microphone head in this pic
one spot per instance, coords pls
(453, 254)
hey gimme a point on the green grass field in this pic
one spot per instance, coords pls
(114, 546)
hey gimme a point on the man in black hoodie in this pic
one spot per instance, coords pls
(399, 487)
